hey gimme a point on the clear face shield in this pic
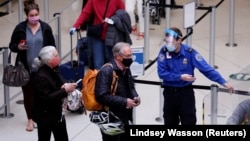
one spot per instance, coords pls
(170, 35)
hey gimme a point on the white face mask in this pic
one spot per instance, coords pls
(170, 48)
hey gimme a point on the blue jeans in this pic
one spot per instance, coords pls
(98, 53)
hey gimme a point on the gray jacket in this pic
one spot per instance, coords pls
(120, 30)
(241, 115)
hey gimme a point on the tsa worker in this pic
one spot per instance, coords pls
(175, 65)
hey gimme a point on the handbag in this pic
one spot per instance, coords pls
(15, 76)
(96, 30)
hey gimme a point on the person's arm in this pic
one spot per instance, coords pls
(48, 36)
(85, 14)
(46, 94)
(201, 64)
(229, 87)
(14, 41)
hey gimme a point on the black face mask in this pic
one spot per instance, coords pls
(127, 62)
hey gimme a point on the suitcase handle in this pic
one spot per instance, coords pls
(78, 51)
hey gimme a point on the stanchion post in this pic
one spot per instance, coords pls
(212, 37)
(161, 101)
(46, 10)
(198, 3)
(214, 103)
(231, 25)
(58, 31)
(189, 38)
(146, 31)
(6, 113)
(20, 11)
(167, 14)
(9, 7)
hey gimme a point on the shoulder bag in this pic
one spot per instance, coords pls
(15, 76)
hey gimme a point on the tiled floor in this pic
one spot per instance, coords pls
(228, 59)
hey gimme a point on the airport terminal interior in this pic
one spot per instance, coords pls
(220, 33)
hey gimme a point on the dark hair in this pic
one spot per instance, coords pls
(178, 31)
(30, 5)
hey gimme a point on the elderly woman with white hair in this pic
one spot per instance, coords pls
(50, 90)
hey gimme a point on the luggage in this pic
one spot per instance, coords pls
(82, 47)
(154, 12)
(72, 70)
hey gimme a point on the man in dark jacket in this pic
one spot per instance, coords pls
(126, 97)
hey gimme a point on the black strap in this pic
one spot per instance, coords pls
(9, 58)
(106, 9)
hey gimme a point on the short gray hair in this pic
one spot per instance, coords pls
(45, 54)
(118, 48)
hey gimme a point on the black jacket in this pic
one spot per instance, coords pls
(19, 33)
(48, 96)
(126, 89)
(120, 30)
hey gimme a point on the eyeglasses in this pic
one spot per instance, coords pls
(127, 55)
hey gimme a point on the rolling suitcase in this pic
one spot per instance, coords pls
(72, 70)
(82, 47)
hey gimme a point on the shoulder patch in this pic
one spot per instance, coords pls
(198, 57)
(161, 57)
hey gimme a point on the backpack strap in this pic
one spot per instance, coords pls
(114, 83)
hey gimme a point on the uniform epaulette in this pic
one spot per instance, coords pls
(165, 49)
(190, 49)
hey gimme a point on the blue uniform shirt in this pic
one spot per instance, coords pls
(172, 65)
